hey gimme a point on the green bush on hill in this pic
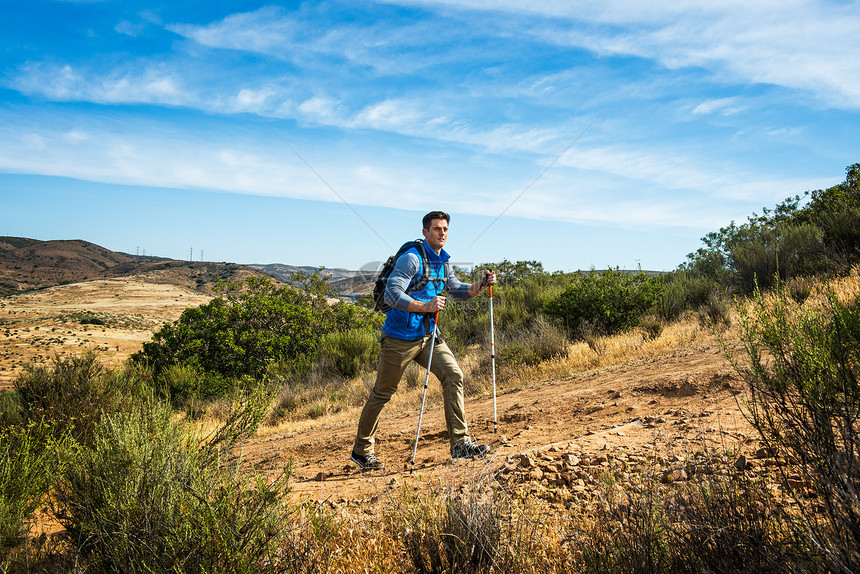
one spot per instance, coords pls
(822, 236)
(253, 325)
(605, 302)
(30, 460)
(71, 394)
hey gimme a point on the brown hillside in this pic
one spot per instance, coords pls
(30, 264)
(27, 264)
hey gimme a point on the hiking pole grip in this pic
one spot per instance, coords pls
(424, 393)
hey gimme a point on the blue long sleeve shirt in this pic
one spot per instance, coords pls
(402, 324)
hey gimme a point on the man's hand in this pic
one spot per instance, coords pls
(488, 278)
(434, 305)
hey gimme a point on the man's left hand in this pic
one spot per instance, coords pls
(489, 278)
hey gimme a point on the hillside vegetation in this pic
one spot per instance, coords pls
(141, 464)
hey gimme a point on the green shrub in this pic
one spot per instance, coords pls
(541, 342)
(11, 409)
(610, 301)
(252, 326)
(30, 459)
(784, 250)
(349, 353)
(187, 382)
(686, 291)
(149, 497)
(803, 370)
(715, 312)
(722, 524)
(72, 393)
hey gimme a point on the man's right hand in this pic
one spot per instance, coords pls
(434, 305)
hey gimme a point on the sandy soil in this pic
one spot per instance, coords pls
(660, 403)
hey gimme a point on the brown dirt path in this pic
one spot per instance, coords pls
(664, 409)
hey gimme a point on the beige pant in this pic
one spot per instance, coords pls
(395, 357)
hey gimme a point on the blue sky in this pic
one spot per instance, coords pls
(319, 133)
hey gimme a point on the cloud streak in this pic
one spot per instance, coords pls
(799, 44)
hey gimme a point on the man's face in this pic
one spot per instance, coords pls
(437, 234)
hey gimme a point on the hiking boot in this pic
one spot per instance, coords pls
(366, 461)
(468, 449)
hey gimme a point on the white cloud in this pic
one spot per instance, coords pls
(391, 115)
(808, 45)
(321, 110)
(266, 31)
(722, 106)
(129, 29)
(157, 84)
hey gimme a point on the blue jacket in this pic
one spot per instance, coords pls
(400, 323)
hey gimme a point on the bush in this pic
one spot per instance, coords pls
(11, 409)
(724, 524)
(149, 497)
(541, 342)
(477, 529)
(29, 461)
(349, 353)
(686, 291)
(73, 393)
(803, 371)
(784, 250)
(252, 326)
(610, 301)
(182, 383)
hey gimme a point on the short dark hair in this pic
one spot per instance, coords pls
(435, 215)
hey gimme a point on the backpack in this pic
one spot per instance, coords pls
(379, 287)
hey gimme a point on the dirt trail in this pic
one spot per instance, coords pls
(666, 408)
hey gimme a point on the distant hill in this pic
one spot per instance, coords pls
(342, 281)
(27, 264)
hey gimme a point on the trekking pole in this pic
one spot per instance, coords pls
(424, 395)
(493, 362)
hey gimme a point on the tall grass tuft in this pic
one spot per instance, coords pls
(147, 498)
(72, 393)
(473, 528)
(30, 459)
(720, 524)
(540, 341)
(803, 370)
(348, 353)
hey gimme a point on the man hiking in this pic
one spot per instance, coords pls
(406, 336)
